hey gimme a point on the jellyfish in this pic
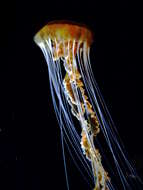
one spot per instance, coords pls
(79, 106)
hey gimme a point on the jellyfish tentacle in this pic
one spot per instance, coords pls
(72, 82)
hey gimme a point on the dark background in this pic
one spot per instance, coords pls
(30, 148)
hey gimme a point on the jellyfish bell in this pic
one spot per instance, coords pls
(65, 37)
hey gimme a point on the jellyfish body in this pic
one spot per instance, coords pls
(76, 94)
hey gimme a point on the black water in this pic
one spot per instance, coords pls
(30, 148)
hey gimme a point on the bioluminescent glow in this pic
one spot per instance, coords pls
(75, 94)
